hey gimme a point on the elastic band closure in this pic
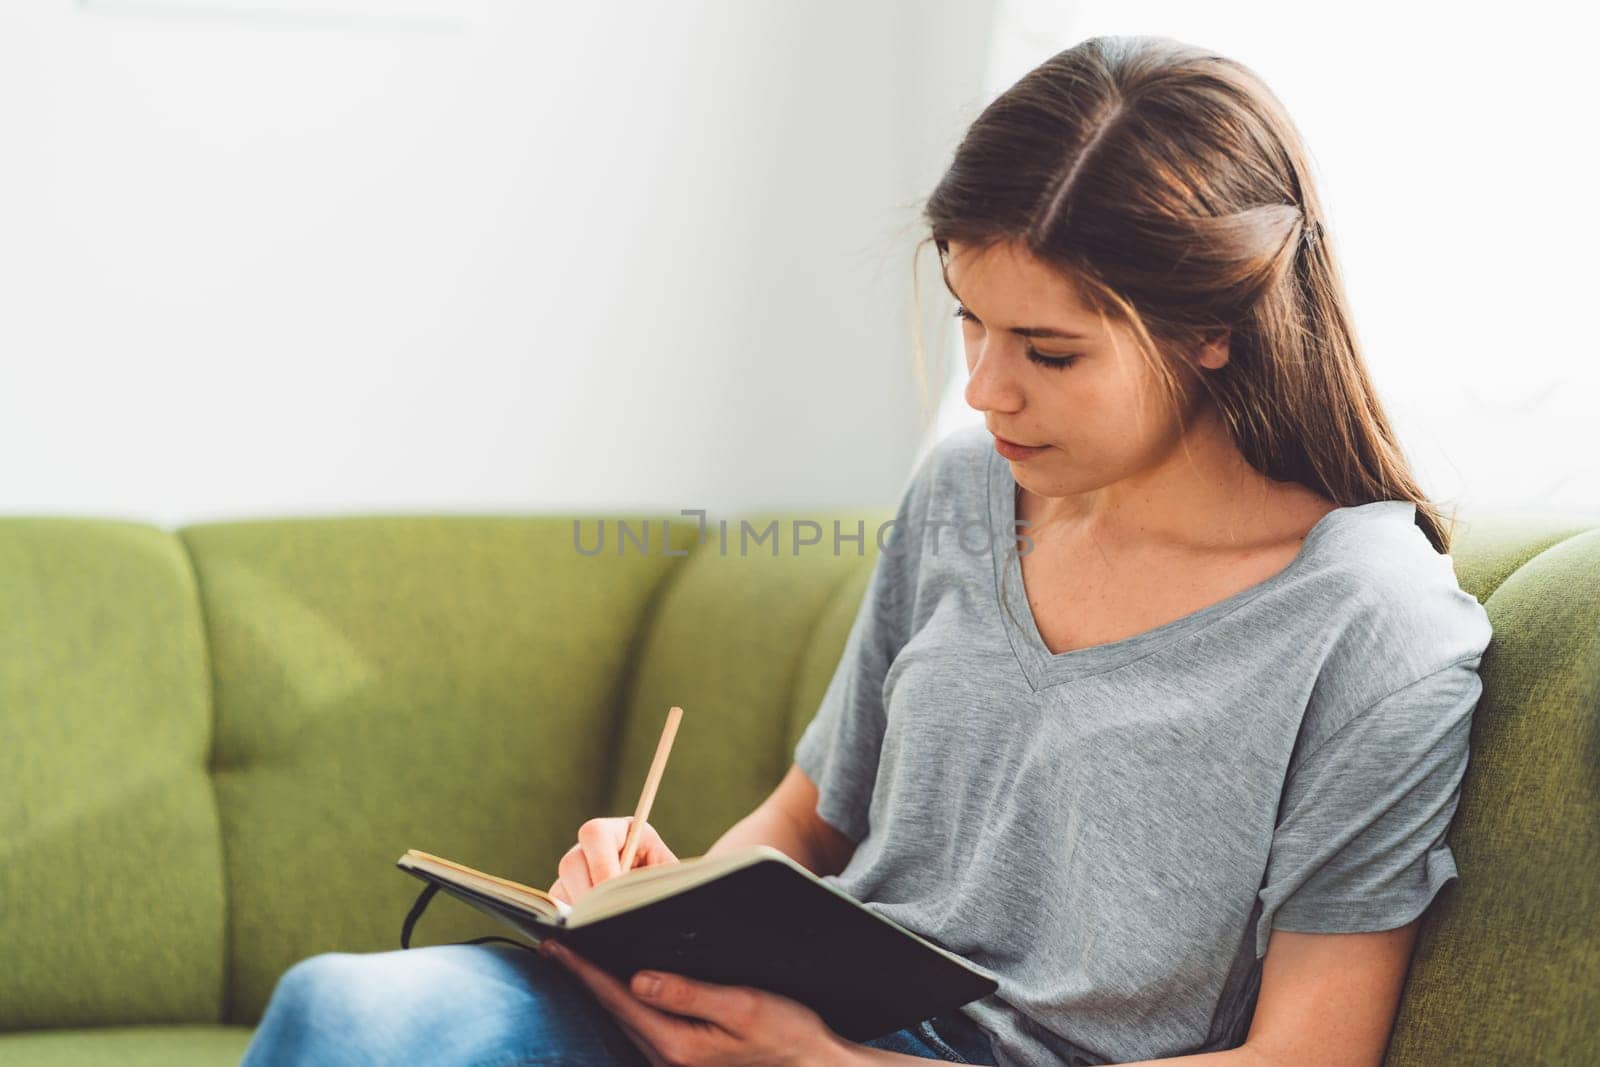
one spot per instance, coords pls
(421, 906)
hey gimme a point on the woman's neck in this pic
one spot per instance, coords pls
(1203, 494)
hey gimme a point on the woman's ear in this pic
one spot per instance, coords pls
(1213, 355)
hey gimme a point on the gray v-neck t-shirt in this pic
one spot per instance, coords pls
(1113, 832)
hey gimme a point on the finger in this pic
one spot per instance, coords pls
(732, 1007)
(574, 872)
(651, 1024)
(559, 891)
(602, 851)
(653, 850)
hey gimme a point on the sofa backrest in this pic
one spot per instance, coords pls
(745, 642)
(215, 743)
(1507, 964)
(111, 880)
(442, 683)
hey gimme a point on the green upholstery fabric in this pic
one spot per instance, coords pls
(476, 687)
(111, 904)
(1507, 967)
(447, 684)
(192, 1045)
(730, 644)
(821, 657)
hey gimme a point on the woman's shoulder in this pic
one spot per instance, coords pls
(1395, 606)
(958, 460)
(1382, 560)
(951, 477)
(948, 492)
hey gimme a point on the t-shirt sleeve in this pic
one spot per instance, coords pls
(1360, 839)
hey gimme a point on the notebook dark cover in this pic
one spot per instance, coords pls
(774, 927)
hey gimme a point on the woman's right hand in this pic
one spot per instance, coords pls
(598, 856)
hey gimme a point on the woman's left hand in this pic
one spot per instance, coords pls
(727, 1025)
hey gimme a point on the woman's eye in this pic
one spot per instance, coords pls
(1053, 362)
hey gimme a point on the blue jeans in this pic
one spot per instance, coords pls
(484, 1005)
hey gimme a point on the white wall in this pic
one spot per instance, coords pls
(1454, 156)
(496, 257)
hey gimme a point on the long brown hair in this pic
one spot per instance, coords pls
(1171, 188)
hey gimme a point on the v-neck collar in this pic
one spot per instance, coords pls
(1044, 668)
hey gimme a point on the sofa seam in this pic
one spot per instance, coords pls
(208, 646)
(1552, 546)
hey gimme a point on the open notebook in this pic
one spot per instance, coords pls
(751, 916)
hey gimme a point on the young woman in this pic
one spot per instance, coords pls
(1177, 771)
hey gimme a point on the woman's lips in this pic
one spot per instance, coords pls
(1013, 451)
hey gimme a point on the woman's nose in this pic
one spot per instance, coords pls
(990, 387)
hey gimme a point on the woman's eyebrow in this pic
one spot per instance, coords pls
(1023, 331)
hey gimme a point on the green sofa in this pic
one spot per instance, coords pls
(215, 742)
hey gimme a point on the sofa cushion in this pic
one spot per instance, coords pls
(1487, 548)
(445, 683)
(1506, 968)
(737, 637)
(193, 1045)
(111, 903)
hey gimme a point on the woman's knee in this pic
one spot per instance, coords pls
(340, 988)
(461, 1003)
(406, 983)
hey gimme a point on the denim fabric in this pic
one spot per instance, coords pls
(486, 1005)
(952, 1037)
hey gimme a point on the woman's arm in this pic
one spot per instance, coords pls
(1329, 1000)
(1326, 1000)
(788, 821)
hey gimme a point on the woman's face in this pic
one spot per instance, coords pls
(1046, 370)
